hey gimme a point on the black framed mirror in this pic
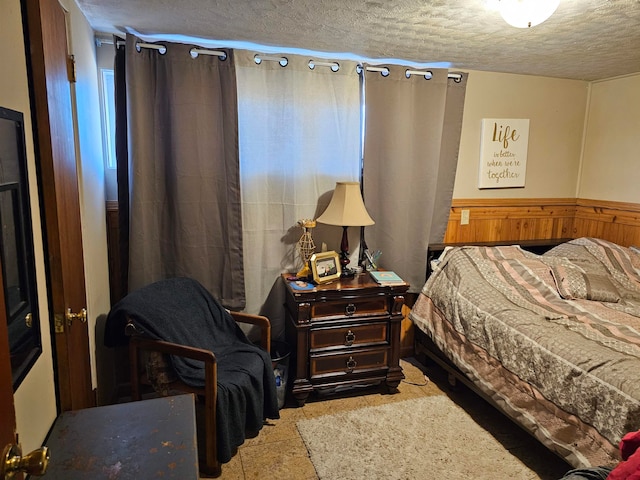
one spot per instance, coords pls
(16, 247)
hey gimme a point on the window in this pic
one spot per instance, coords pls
(108, 107)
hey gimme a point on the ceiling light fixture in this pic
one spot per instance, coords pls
(527, 13)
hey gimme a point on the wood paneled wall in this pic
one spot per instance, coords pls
(511, 219)
(617, 222)
(113, 250)
(536, 218)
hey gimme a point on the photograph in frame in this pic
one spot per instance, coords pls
(325, 267)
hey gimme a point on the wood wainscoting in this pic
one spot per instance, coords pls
(113, 251)
(535, 218)
(618, 222)
(511, 219)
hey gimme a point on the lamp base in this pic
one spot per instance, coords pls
(344, 251)
(348, 273)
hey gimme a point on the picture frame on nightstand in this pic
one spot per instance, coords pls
(325, 267)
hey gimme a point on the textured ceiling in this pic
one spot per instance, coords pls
(584, 39)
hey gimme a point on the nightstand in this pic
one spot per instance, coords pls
(344, 334)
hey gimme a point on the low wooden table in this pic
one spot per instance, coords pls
(138, 440)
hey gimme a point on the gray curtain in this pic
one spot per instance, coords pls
(184, 183)
(449, 148)
(412, 135)
(119, 287)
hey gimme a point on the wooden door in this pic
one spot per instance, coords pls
(50, 73)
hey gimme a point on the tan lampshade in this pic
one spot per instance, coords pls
(346, 208)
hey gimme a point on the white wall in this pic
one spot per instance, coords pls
(556, 110)
(35, 401)
(611, 160)
(584, 138)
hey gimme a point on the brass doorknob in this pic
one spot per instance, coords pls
(82, 316)
(34, 463)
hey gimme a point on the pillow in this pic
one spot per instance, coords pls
(572, 283)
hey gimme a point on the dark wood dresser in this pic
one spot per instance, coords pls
(344, 334)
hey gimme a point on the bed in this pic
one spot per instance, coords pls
(551, 339)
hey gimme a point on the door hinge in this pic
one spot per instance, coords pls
(58, 323)
(71, 68)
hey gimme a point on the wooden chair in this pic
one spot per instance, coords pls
(211, 466)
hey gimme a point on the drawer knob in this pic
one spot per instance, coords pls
(350, 309)
(349, 338)
(351, 365)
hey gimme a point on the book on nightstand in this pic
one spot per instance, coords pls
(386, 277)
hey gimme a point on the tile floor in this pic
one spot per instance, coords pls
(278, 452)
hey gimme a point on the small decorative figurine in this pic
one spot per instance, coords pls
(306, 247)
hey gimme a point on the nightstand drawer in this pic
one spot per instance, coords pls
(355, 307)
(353, 335)
(348, 362)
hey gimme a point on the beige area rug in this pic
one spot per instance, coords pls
(425, 438)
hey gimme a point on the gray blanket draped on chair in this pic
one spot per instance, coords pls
(181, 310)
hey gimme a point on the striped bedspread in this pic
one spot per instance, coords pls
(553, 339)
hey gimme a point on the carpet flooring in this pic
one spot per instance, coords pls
(429, 437)
(279, 451)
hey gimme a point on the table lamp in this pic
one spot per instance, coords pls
(346, 209)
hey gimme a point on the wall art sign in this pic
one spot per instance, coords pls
(503, 152)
